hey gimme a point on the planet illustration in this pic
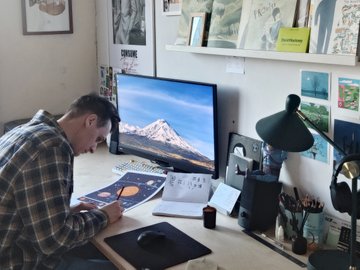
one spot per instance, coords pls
(104, 194)
(129, 191)
(150, 182)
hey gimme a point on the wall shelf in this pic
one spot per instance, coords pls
(345, 60)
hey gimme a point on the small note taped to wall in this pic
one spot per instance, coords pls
(224, 198)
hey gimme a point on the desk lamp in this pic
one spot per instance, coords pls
(286, 130)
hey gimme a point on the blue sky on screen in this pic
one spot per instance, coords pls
(186, 107)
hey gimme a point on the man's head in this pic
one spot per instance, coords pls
(88, 121)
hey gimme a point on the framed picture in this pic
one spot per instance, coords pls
(43, 17)
(196, 32)
(171, 7)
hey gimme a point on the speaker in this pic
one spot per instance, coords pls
(114, 143)
(259, 204)
(340, 192)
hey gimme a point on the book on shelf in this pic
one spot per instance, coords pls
(243, 27)
(184, 195)
(345, 29)
(224, 24)
(321, 19)
(302, 13)
(293, 39)
(187, 8)
(265, 20)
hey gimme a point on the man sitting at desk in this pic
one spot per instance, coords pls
(38, 228)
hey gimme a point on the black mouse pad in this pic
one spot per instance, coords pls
(176, 248)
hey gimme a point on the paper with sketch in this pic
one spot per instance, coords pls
(138, 188)
(224, 198)
(185, 195)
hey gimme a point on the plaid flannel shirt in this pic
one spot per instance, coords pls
(36, 182)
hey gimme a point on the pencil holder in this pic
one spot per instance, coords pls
(314, 229)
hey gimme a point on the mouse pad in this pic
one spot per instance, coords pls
(176, 248)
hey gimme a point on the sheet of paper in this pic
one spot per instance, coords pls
(138, 188)
(224, 198)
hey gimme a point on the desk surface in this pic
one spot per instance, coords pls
(231, 247)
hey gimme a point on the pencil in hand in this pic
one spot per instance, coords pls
(121, 191)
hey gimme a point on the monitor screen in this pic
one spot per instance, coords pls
(172, 122)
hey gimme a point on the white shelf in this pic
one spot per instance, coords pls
(346, 60)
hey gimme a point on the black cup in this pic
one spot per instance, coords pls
(209, 217)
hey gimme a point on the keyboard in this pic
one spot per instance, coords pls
(139, 166)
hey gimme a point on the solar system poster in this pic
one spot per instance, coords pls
(138, 188)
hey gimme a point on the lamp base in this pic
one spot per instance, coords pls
(330, 260)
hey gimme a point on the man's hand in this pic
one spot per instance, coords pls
(82, 206)
(114, 211)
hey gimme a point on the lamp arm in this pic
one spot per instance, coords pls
(322, 134)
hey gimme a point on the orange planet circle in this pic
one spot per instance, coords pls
(129, 191)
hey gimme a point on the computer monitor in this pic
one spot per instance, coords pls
(171, 122)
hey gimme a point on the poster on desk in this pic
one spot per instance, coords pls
(135, 187)
(131, 36)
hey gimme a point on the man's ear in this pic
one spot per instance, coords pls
(91, 120)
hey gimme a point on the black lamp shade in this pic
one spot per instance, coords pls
(285, 130)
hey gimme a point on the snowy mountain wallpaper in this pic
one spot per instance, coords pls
(167, 118)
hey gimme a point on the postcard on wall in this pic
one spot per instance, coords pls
(347, 137)
(265, 20)
(224, 24)
(131, 38)
(348, 93)
(345, 28)
(315, 84)
(318, 114)
(187, 8)
(138, 188)
(319, 151)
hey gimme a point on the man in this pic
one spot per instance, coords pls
(37, 225)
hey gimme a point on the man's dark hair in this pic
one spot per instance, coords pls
(93, 103)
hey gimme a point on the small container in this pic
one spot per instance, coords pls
(209, 217)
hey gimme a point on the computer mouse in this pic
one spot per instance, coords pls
(148, 238)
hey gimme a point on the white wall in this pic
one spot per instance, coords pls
(45, 71)
(244, 99)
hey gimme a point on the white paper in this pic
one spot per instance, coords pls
(224, 198)
(185, 194)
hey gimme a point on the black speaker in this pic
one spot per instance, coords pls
(259, 204)
(114, 143)
(341, 192)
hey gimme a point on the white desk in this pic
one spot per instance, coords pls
(231, 248)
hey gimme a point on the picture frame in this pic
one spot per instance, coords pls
(171, 7)
(41, 17)
(196, 29)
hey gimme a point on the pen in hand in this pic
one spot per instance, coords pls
(121, 191)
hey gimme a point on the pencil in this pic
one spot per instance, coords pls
(121, 191)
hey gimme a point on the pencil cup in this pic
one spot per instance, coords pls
(314, 229)
(209, 217)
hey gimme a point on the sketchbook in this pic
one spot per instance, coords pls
(184, 195)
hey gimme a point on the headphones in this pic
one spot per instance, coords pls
(341, 192)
